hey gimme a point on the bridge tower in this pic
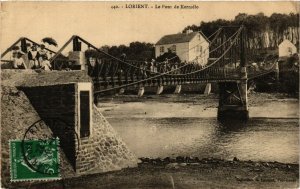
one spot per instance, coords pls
(77, 55)
(233, 101)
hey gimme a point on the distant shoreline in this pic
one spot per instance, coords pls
(261, 106)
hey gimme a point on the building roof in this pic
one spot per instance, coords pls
(179, 38)
(286, 42)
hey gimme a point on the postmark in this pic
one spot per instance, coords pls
(34, 159)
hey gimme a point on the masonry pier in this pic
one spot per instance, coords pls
(207, 89)
(233, 103)
(63, 101)
(141, 91)
(159, 90)
(177, 89)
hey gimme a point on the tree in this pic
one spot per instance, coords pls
(262, 31)
(50, 41)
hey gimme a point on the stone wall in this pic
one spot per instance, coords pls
(104, 146)
(57, 103)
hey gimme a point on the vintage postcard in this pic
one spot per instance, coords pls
(149, 94)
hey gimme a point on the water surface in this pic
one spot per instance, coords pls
(187, 126)
(257, 140)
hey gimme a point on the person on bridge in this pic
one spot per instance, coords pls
(152, 65)
(42, 53)
(123, 57)
(33, 56)
(18, 62)
(45, 64)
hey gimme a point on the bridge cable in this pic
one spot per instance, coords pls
(218, 31)
(162, 74)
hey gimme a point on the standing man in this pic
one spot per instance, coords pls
(33, 57)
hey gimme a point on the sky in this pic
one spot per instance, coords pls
(100, 24)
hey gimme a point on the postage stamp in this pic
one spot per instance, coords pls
(34, 159)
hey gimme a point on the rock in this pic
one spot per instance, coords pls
(235, 159)
(257, 165)
(145, 160)
(267, 164)
(167, 159)
(182, 164)
(197, 159)
(158, 161)
(257, 170)
(172, 166)
(189, 159)
(180, 159)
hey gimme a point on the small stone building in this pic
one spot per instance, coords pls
(28, 96)
(286, 48)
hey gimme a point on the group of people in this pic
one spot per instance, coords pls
(36, 59)
(169, 66)
(102, 67)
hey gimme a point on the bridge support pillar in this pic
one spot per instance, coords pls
(277, 71)
(177, 89)
(233, 103)
(159, 90)
(207, 89)
(141, 91)
(78, 57)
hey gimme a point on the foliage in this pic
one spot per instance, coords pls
(256, 26)
(50, 41)
(135, 51)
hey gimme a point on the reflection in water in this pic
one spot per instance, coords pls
(258, 139)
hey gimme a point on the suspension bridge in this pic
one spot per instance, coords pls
(228, 65)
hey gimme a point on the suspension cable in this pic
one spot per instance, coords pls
(237, 34)
(239, 31)
(113, 57)
(162, 74)
(219, 30)
(224, 42)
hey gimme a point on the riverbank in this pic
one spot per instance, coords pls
(190, 173)
(261, 105)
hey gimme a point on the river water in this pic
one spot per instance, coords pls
(168, 130)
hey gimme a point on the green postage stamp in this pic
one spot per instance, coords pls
(34, 159)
